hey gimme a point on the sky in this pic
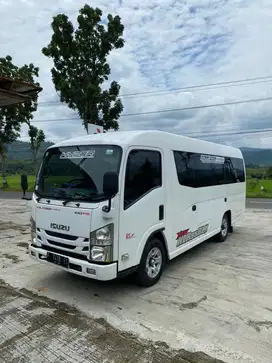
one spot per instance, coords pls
(169, 45)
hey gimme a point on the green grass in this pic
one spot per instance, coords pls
(259, 170)
(14, 183)
(253, 188)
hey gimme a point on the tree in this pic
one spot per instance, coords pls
(9, 132)
(37, 137)
(269, 173)
(81, 68)
(11, 117)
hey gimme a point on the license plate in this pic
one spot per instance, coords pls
(58, 260)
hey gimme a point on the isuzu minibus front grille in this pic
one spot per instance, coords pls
(66, 245)
(63, 245)
(61, 235)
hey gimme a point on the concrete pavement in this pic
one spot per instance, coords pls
(35, 329)
(216, 299)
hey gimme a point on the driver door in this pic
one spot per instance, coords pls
(143, 196)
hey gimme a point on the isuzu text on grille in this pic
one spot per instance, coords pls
(60, 227)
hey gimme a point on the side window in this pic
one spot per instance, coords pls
(192, 171)
(218, 174)
(229, 174)
(197, 171)
(143, 173)
(238, 167)
(204, 175)
(185, 172)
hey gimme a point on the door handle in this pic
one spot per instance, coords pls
(161, 212)
(194, 208)
(226, 199)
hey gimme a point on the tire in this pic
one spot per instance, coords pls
(153, 256)
(225, 228)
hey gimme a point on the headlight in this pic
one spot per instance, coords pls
(101, 244)
(102, 236)
(33, 233)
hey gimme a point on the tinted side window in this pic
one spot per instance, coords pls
(238, 167)
(184, 168)
(218, 174)
(203, 171)
(229, 174)
(197, 171)
(191, 171)
(143, 173)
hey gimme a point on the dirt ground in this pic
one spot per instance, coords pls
(213, 301)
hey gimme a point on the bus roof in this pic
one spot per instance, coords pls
(152, 138)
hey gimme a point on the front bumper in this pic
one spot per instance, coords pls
(78, 267)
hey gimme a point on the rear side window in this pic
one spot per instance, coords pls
(192, 171)
(184, 165)
(197, 170)
(229, 172)
(238, 167)
(143, 173)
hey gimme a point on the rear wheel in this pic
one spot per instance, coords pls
(225, 228)
(152, 263)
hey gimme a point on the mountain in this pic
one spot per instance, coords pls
(260, 157)
(20, 150)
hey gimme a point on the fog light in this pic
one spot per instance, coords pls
(33, 253)
(91, 271)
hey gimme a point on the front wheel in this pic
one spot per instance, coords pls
(152, 263)
(225, 228)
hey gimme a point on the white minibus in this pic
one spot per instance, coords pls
(111, 204)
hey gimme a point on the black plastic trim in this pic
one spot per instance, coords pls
(161, 212)
(155, 232)
(128, 271)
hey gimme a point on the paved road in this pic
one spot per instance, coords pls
(13, 195)
(257, 203)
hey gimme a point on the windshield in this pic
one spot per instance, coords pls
(76, 173)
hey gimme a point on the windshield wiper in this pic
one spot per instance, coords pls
(88, 197)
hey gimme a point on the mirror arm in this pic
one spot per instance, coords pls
(107, 208)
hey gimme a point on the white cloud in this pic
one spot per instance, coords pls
(169, 45)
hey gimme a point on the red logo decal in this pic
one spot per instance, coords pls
(98, 131)
(182, 233)
(130, 235)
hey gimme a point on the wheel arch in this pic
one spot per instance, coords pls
(229, 215)
(159, 234)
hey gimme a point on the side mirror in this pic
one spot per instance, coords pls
(110, 184)
(110, 188)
